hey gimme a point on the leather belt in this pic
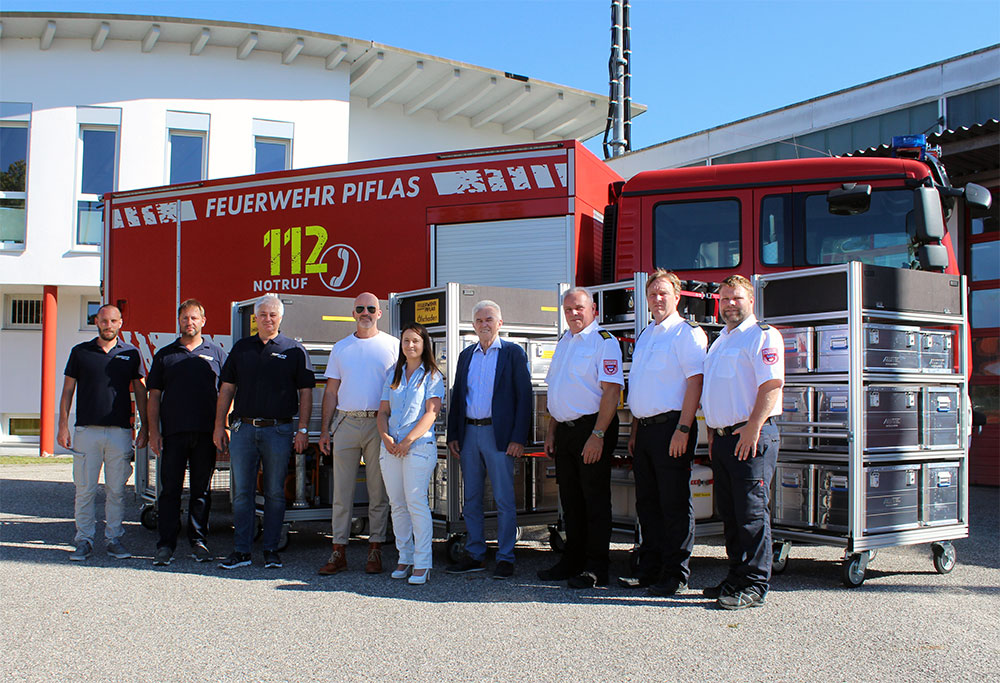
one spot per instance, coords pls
(359, 413)
(659, 419)
(479, 423)
(581, 420)
(263, 421)
(728, 431)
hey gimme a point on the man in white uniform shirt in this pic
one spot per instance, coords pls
(355, 374)
(585, 381)
(744, 373)
(664, 390)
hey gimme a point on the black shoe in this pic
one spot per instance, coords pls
(667, 587)
(200, 552)
(235, 559)
(636, 581)
(716, 592)
(741, 599)
(555, 573)
(272, 560)
(503, 570)
(587, 580)
(465, 565)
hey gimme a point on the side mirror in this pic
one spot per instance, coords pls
(850, 200)
(978, 199)
(933, 257)
(927, 213)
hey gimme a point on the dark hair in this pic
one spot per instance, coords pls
(191, 303)
(426, 358)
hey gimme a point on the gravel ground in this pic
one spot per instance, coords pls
(126, 620)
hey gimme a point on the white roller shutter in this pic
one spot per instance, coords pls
(531, 253)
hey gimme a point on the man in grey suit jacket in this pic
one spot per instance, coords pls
(488, 420)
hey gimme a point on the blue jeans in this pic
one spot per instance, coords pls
(249, 448)
(480, 458)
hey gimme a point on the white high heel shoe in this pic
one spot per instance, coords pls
(402, 573)
(420, 580)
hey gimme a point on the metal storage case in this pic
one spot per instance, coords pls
(797, 414)
(886, 348)
(800, 349)
(891, 498)
(794, 494)
(940, 416)
(940, 486)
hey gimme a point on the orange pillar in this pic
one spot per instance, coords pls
(50, 308)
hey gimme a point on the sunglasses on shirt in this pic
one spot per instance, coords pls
(361, 309)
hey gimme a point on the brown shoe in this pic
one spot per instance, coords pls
(336, 563)
(374, 563)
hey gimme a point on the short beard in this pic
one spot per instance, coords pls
(104, 334)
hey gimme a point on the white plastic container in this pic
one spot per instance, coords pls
(702, 484)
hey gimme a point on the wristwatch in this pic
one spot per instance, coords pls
(683, 429)
(599, 433)
(303, 430)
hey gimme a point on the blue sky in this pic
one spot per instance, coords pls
(696, 64)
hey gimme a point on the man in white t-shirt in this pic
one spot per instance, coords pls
(355, 374)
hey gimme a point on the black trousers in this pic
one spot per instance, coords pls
(180, 450)
(663, 501)
(743, 499)
(585, 495)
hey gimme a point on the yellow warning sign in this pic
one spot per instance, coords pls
(426, 312)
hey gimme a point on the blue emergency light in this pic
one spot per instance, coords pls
(909, 146)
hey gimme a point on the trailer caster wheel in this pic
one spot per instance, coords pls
(455, 548)
(944, 557)
(853, 570)
(358, 525)
(779, 560)
(557, 539)
(148, 517)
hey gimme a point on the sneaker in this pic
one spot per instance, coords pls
(117, 550)
(235, 559)
(465, 565)
(503, 570)
(587, 580)
(741, 599)
(667, 587)
(636, 581)
(163, 556)
(200, 552)
(81, 552)
(272, 560)
(557, 572)
(716, 592)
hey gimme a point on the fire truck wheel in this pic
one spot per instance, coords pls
(148, 517)
(455, 548)
(944, 557)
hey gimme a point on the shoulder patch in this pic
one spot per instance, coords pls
(692, 323)
(763, 325)
(605, 334)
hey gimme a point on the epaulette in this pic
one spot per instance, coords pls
(605, 334)
(763, 325)
(692, 323)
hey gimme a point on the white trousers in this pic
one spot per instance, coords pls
(406, 480)
(93, 447)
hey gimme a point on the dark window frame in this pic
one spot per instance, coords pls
(702, 200)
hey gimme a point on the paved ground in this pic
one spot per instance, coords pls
(126, 620)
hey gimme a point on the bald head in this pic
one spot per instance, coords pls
(368, 315)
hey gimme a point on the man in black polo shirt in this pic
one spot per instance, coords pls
(271, 378)
(183, 388)
(101, 371)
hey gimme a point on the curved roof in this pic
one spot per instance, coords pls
(379, 73)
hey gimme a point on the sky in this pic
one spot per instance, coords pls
(696, 64)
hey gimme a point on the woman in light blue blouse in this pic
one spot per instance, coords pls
(411, 401)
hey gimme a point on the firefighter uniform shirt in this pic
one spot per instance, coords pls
(665, 355)
(268, 377)
(103, 383)
(579, 365)
(738, 362)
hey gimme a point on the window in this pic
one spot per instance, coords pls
(984, 308)
(775, 227)
(697, 235)
(187, 156)
(23, 312)
(879, 236)
(24, 426)
(985, 261)
(271, 154)
(88, 314)
(13, 175)
(978, 106)
(98, 174)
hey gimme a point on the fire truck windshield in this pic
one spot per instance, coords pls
(880, 236)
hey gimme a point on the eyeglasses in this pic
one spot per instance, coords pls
(361, 309)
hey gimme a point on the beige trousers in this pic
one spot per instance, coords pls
(355, 438)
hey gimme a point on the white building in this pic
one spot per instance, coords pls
(94, 103)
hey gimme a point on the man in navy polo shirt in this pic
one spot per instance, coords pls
(183, 389)
(101, 372)
(271, 378)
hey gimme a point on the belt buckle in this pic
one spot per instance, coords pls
(721, 431)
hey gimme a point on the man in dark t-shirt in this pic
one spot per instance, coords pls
(101, 372)
(183, 388)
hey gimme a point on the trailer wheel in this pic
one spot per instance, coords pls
(455, 548)
(148, 517)
(853, 570)
(557, 539)
(944, 557)
(283, 538)
(358, 525)
(779, 560)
